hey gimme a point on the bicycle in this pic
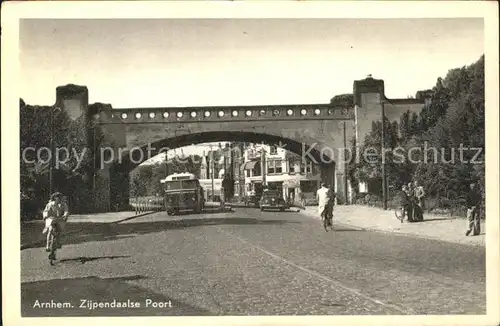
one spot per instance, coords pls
(53, 238)
(328, 220)
(400, 214)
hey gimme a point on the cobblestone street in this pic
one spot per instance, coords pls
(252, 263)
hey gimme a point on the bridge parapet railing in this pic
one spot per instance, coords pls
(146, 204)
(199, 114)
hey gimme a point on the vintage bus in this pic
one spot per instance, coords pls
(182, 192)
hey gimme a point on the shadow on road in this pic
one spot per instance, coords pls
(435, 219)
(87, 232)
(211, 210)
(83, 260)
(340, 229)
(75, 291)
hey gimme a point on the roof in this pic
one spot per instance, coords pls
(250, 165)
(179, 176)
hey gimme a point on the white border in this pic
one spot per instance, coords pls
(13, 11)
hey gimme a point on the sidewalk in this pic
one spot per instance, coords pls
(31, 232)
(444, 228)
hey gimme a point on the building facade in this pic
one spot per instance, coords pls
(280, 170)
(223, 161)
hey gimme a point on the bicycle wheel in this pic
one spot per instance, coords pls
(399, 214)
(52, 247)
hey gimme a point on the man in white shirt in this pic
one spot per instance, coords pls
(55, 209)
(322, 196)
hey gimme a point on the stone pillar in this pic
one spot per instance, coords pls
(368, 97)
(119, 188)
(73, 99)
(328, 174)
(101, 190)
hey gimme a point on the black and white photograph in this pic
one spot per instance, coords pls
(324, 163)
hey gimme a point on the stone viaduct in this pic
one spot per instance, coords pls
(128, 136)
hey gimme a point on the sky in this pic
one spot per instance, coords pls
(216, 62)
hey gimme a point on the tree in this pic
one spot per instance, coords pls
(453, 119)
(404, 126)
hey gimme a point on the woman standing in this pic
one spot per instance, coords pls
(419, 201)
(411, 201)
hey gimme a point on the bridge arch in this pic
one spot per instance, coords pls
(123, 164)
(313, 150)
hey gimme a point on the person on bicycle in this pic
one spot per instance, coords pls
(55, 209)
(404, 201)
(331, 195)
(322, 196)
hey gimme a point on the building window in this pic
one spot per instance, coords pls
(291, 167)
(274, 167)
(270, 167)
(306, 168)
(308, 186)
(278, 167)
(309, 167)
(273, 150)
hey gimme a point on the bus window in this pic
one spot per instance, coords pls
(189, 184)
(173, 185)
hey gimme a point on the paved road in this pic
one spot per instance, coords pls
(251, 263)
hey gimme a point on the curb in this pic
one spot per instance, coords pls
(132, 217)
(41, 242)
(406, 234)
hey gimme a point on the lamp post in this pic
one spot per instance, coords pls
(384, 181)
(346, 188)
(212, 170)
(51, 164)
(264, 165)
(166, 163)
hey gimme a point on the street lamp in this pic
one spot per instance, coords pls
(166, 163)
(51, 164)
(263, 165)
(384, 182)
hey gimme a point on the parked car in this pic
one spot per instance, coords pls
(272, 200)
(251, 200)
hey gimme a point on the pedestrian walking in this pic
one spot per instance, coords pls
(473, 199)
(302, 200)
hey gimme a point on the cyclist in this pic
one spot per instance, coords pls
(331, 195)
(56, 209)
(322, 196)
(404, 202)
